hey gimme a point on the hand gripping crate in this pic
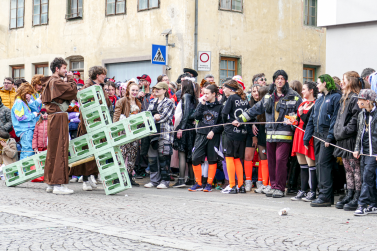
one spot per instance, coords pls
(91, 97)
(96, 118)
(79, 148)
(133, 128)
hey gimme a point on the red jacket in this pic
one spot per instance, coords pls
(40, 135)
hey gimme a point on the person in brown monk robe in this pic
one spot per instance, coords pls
(56, 97)
(97, 75)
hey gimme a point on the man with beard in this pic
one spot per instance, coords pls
(57, 96)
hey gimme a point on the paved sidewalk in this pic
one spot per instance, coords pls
(172, 219)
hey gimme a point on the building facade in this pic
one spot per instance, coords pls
(244, 37)
(351, 26)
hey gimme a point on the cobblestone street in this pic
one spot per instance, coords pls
(172, 219)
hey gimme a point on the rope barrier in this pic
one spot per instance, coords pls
(247, 123)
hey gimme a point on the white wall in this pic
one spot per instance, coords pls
(351, 47)
(336, 12)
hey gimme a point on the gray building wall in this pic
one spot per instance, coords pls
(351, 32)
(351, 47)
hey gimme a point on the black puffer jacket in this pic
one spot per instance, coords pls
(345, 128)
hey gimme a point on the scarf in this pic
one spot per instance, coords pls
(113, 99)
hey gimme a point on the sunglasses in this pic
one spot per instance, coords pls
(263, 79)
(43, 112)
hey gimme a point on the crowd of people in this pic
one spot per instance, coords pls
(314, 140)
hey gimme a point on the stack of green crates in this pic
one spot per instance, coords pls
(102, 141)
(25, 170)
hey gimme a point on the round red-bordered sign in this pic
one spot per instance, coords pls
(202, 59)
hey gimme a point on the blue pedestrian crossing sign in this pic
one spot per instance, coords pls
(159, 54)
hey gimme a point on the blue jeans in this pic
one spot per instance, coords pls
(26, 144)
(368, 195)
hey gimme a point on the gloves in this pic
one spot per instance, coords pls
(35, 114)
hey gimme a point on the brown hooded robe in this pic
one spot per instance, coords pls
(56, 166)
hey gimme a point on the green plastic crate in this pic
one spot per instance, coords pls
(109, 159)
(115, 181)
(91, 97)
(25, 170)
(79, 148)
(96, 118)
(12, 174)
(133, 128)
(100, 139)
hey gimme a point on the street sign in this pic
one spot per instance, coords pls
(159, 54)
(204, 61)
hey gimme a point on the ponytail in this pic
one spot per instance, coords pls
(233, 85)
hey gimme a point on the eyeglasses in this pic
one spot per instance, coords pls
(263, 79)
(106, 90)
(7, 83)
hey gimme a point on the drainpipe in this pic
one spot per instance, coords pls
(196, 37)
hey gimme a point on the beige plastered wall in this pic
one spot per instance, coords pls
(268, 35)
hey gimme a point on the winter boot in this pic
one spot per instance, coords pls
(340, 204)
(353, 204)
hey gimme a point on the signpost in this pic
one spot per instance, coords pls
(159, 54)
(204, 61)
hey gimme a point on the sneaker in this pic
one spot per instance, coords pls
(91, 183)
(259, 189)
(99, 178)
(259, 184)
(278, 194)
(93, 179)
(270, 192)
(361, 211)
(266, 189)
(73, 180)
(49, 188)
(81, 180)
(208, 188)
(195, 188)
(162, 186)
(86, 186)
(371, 210)
(62, 189)
(180, 183)
(310, 197)
(242, 189)
(248, 185)
(228, 189)
(300, 195)
(218, 186)
(149, 185)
